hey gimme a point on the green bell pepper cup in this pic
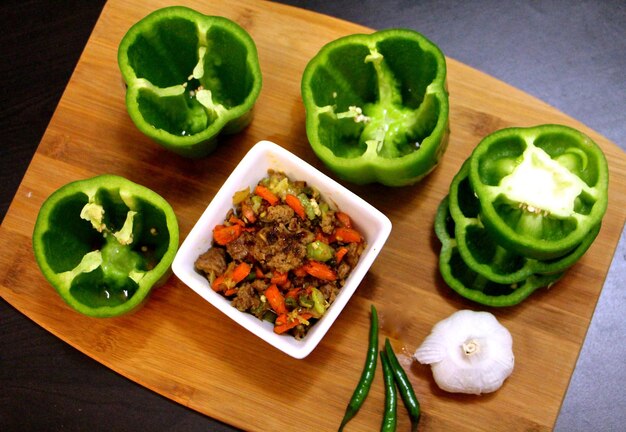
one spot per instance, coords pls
(377, 106)
(481, 251)
(190, 78)
(473, 285)
(104, 243)
(542, 189)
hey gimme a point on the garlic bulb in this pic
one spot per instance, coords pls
(469, 352)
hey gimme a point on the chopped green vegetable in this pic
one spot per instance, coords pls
(319, 251)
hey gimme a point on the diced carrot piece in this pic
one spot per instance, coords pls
(320, 236)
(285, 323)
(231, 291)
(320, 271)
(258, 273)
(293, 293)
(347, 235)
(344, 219)
(218, 282)
(300, 271)
(293, 202)
(279, 278)
(341, 252)
(266, 194)
(235, 220)
(276, 299)
(241, 272)
(225, 234)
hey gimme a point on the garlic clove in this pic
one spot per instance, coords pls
(469, 352)
(431, 351)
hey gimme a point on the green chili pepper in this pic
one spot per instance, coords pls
(542, 190)
(104, 243)
(367, 376)
(319, 251)
(404, 386)
(377, 106)
(190, 77)
(390, 416)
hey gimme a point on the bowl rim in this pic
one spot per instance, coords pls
(265, 154)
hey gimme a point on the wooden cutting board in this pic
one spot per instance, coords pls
(183, 348)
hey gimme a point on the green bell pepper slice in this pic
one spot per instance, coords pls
(190, 77)
(377, 106)
(480, 250)
(103, 243)
(472, 285)
(542, 189)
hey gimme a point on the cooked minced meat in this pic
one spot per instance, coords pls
(239, 249)
(354, 253)
(329, 291)
(247, 298)
(328, 222)
(278, 214)
(212, 261)
(343, 270)
(280, 248)
(260, 285)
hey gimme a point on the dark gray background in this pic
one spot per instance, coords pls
(570, 54)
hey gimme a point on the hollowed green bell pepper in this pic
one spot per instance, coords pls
(481, 251)
(104, 242)
(475, 286)
(190, 77)
(377, 106)
(542, 189)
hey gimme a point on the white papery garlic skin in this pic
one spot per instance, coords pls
(469, 352)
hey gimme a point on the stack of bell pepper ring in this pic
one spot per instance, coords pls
(524, 207)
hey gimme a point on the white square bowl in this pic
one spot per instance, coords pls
(372, 224)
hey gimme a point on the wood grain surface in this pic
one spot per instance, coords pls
(181, 347)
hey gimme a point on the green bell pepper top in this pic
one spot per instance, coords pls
(475, 286)
(542, 189)
(104, 242)
(480, 250)
(377, 106)
(189, 78)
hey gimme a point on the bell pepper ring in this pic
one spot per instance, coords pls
(472, 285)
(481, 251)
(190, 78)
(103, 243)
(542, 189)
(377, 106)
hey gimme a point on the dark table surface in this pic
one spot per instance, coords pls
(572, 55)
